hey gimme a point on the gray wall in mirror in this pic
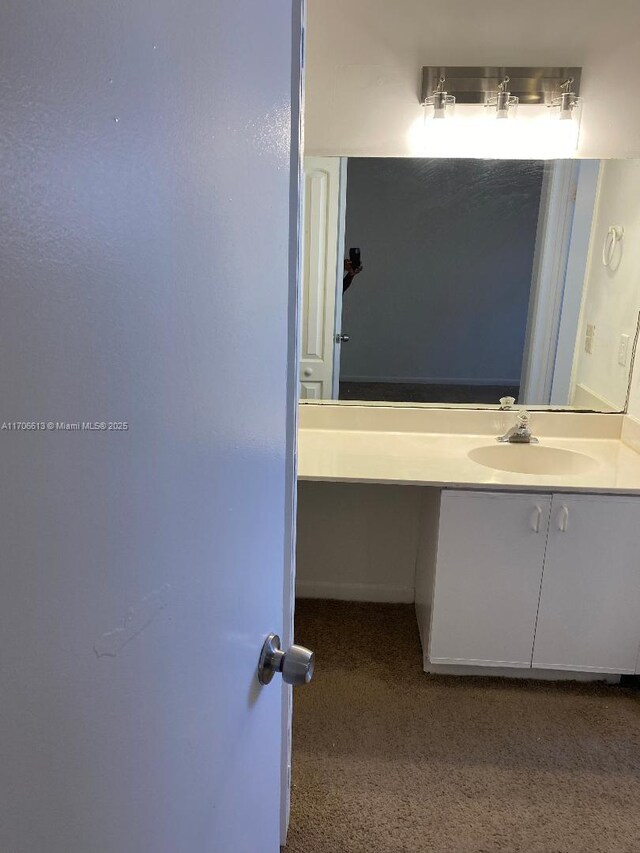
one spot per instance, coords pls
(448, 249)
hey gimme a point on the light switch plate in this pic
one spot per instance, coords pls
(588, 338)
(623, 350)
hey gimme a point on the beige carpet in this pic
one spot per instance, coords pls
(388, 759)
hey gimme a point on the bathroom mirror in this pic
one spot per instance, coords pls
(479, 280)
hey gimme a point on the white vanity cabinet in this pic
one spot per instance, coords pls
(521, 580)
(488, 571)
(589, 615)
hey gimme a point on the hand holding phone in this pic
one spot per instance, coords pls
(355, 258)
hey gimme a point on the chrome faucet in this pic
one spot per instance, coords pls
(520, 432)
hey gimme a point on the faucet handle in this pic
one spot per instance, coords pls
(520, 432)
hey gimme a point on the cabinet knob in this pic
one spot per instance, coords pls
(536, 518)
(563, 519)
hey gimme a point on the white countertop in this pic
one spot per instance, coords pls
(428, 450)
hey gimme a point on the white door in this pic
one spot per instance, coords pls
(320, 276)
(553, 242)
(488, 571)
(147, 271)
(590, 599)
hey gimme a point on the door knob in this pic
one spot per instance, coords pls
(296, 664)
(342, 339)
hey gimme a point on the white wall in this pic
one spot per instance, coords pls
(633, 407)
(634, 392)
(357, 542)
(447, 248)
(612, 296)
(364, 60)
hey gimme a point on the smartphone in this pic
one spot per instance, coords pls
(354, 257)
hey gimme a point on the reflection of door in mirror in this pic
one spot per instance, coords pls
(482, 279)
(323, 230)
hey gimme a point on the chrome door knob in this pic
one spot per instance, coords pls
(342, 339)
(296, 664)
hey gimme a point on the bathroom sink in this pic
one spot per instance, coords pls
(532, 459)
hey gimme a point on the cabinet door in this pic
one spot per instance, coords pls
(488, 572)
(589, 616)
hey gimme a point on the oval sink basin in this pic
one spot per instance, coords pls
(532, 459)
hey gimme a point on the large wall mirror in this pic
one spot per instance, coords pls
(437, 281)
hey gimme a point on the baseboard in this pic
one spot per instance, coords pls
(355, 591)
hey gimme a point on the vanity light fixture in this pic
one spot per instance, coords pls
(528, 96)
(565, 104)
(502, 100)
(440, 100)
(542, 86)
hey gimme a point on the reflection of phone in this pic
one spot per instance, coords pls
(354, 257)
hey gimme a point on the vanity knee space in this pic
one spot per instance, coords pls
(528, 581)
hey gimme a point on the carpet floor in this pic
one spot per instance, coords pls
(389, 760)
